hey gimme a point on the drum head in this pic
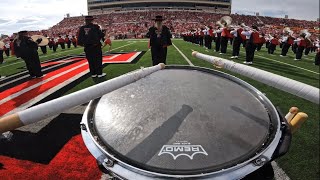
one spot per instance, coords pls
(182, 120)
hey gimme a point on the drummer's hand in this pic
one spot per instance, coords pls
(39, 40)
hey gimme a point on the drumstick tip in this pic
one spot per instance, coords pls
(294, 110)
(162, 65)
(194, 53)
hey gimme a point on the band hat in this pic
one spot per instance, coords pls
(22, 32)
(89, 18)
(158, 18)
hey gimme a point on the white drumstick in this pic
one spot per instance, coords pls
(59, 105)
(296, 88)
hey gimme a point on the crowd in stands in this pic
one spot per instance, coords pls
(135, 24)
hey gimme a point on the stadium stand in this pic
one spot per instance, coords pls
(134, 24)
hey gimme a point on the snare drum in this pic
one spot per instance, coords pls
(183, 122)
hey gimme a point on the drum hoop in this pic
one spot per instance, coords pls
(265, 151)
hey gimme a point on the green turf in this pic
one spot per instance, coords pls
(302, 161)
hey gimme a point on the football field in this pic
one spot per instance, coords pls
(302, 160)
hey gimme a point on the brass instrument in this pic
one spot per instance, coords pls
(287, 31)
(44, 41)
(1, 45)
(305, 34)
(225, 21)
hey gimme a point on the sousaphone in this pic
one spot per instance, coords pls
(44, 41)
(225, 21)
(287, 30)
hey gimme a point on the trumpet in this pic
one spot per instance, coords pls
(44, 41)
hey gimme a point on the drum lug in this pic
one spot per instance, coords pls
(260, 161)
(83, 127)
(108, 162)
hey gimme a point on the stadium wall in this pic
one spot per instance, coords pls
(96, 7)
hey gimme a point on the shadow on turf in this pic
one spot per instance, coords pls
(43, 146)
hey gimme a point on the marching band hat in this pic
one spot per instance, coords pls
(255, 27)
(158, 18)
(22, 32)
(89, 18)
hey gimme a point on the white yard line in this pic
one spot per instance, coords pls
(279, 174)
(184, 56)
(288, 64)
(21, 61)
(285, 63)
(12, 96)
(123, 46)
(47, 93)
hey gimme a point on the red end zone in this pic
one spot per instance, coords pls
(69, 159)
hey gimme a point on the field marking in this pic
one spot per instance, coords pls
(58, 54)
(285, 63)
(123, 46)
(279, 173)
(46, 93)
(288, 64)
(21, 61)
(16, 94)
(184, 56)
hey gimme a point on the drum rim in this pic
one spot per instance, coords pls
(274, 136)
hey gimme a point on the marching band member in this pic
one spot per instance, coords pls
(309, 45)
(217, 33)
(317, 58)
(160, 38)
(27, 49)
(43, 49)
(201, 36)
(261, 42)
(287, 41)
(267, 38)
(53, 42)
(206, 36)
(301, 43)
(7, 47)
(244, 39)
(274, 42)
(61, 42)
(89, 37)
(225, 35)
(108, 42)
(74, 41)
(237, 41)
(68, 41)
(252, 41)
(1, 55)
(210, 37)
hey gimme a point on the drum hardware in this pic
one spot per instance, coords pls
(83, 127)
(108, 163)
(260, 161)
